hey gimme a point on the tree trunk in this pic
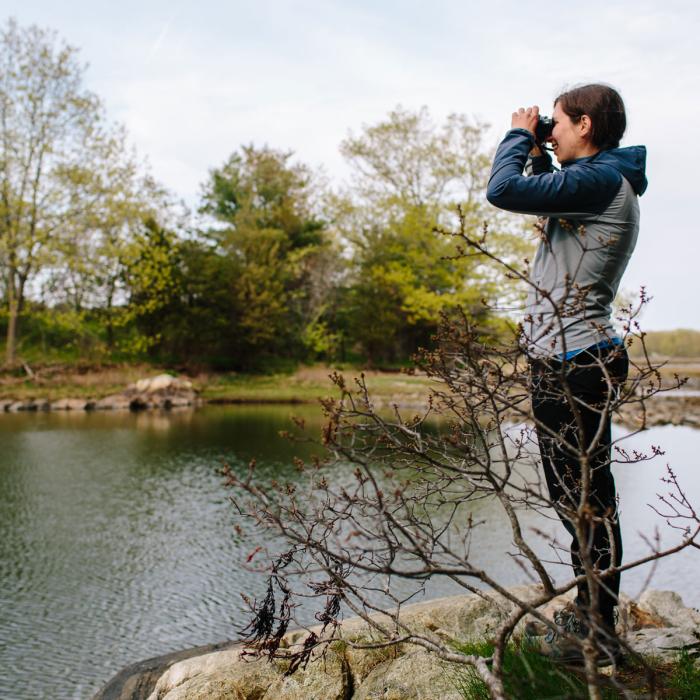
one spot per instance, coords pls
(12, 322)
(15, 302)
(110, 327)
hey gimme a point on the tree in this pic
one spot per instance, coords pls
(55, 156)
(267, 220)
(407, 511)
(89, 272)
(154, 283)
(408, 177)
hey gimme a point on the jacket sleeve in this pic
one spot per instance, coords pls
(577, 191)
(536, 165)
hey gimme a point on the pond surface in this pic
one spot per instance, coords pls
(118, 542)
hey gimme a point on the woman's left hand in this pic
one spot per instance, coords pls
(525, 119)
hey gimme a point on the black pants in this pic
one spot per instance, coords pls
(592, 378)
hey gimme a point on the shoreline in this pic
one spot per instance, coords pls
(123, 388)
(682, 410)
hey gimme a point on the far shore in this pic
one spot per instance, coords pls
(306, 385)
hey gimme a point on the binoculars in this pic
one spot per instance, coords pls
(544, 127)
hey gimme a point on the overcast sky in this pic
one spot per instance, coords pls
(192, 81)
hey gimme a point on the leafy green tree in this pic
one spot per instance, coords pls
(409, 176)
(54, 148)
(154, 282)
(201, 330)
(92, 251)
(265, 217)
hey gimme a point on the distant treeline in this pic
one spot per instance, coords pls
(679, 343)
(276, 265)
(99, 262)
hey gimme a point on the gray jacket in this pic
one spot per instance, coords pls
(590, 231)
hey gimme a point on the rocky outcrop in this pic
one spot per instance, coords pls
(138, 680)
(658, 624)
(29, 405)
(69, 405)
(111, 403)
(665, 627)
(664, 409)
(162, 391)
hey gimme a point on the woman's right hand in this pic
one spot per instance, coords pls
(526, 119)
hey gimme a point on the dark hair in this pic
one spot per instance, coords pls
(605, 108)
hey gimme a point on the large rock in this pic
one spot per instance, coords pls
(325, 678)
(362, 662)
(226, 676)
(26, 405)
(220, 674)
(162, 383)
(665, 642)
(657, 624)
(161, 391)
(113, 402)
(69, 405)
(669, 606)
(417, 675)
(137, 681)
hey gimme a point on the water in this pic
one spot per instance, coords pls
(118, 543)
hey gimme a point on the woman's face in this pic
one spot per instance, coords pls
(569, 140)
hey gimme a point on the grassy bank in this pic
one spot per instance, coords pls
(304, 385)
(310, 383)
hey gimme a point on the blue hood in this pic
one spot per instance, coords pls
(630, 162)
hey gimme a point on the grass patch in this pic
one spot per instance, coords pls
(684, 681)
(59, 381)
(527, 675)
(530, 676)
(308, 384)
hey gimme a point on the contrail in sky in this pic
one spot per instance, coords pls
(161, 38)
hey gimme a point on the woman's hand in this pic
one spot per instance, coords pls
(525, 119)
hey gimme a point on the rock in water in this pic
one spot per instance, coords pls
(162, 383)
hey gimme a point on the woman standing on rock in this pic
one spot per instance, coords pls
(577, 360)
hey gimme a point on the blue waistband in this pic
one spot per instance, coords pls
(607, 343)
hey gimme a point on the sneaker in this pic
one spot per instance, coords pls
(564, 644)
(562, 618)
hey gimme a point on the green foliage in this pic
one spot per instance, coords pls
(259, 190)
(409, 178)
(266, 222)
(59, 334)
(527, 675)
(66, 177)
(153, 280)
(684, 683)
(319, 340)
(280, 271)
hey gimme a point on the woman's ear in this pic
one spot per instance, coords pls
(585, 126)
